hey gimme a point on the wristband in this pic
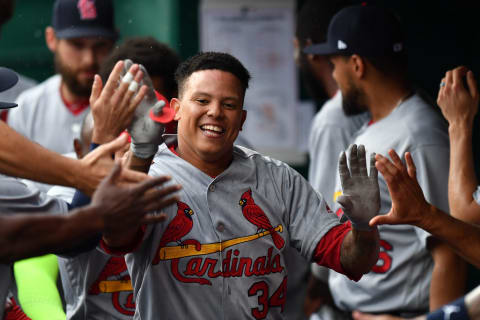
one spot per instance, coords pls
(143, 150)
(455, 310)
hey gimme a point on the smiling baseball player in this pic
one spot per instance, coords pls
(221, 253)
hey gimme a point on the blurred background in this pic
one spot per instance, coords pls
(440, 35)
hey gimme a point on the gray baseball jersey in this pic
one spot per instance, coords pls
(297, 281)
(44, 118)
(221, 253)
(331, 133)
(96, 286)
(16, 197)
(401, 279)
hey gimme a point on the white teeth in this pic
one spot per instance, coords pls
(212, 128)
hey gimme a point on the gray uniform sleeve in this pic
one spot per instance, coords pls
(308, 213)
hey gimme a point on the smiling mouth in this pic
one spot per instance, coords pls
(212, 129)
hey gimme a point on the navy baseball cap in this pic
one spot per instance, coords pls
(84, 18)
(364, 30)
(8, 79)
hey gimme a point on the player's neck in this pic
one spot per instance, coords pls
(383, 99)
(212, 167)
(68, 96)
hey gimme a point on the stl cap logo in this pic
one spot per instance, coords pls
(341, 45)
(87, 9)
(397, 47)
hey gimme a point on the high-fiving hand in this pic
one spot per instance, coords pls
(150, 117)
(360, 200)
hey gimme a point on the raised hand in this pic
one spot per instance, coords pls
(408, 202)
(149, 119)
(458, 103)
(113, 106)
(361, 196)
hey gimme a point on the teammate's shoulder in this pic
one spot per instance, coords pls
(46, 87)
(424, 123)
(257, 159)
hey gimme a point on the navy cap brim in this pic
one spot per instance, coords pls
(8, 79)
(86, 32)
(323, 49)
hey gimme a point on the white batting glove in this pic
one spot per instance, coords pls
(150, 117)
(360, 200)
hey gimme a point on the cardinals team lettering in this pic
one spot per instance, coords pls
(199, 268)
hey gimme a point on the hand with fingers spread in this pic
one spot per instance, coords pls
(360, 200)
(458, 103)
(113, 106)
(126, 207)
(408, 201)
(149, 120)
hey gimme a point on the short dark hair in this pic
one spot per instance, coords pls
(211, 61)
(156, 57)
(314, 17)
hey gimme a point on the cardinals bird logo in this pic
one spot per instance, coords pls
(115, 269)
(253, 213)
(179, 227)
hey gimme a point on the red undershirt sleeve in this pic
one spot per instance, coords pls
(327, 252)
(127, 249)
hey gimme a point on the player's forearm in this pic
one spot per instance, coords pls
(443, 287)
(26, 235)
(23, 158)
(462, 181)
(463, 237)
(359, 251)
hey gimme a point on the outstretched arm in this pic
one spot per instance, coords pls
(114, 208)
(360, 201)
(37, 163)
(459, 106)
(410, 207)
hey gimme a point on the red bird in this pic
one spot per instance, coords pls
(115, 266)
(256, 216)
(177, 228)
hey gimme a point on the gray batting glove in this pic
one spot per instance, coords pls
(360, 200)
(148, 124)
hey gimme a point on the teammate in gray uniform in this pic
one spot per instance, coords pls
(81, 36)
(459, 106)
(331, 131)
(367, 51)
(221, 253)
